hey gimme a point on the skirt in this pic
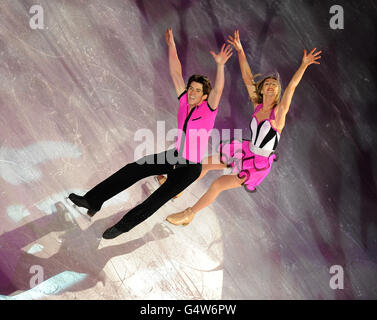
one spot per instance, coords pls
(237, 155)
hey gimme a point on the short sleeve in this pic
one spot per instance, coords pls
(210, 108)
(182, 95)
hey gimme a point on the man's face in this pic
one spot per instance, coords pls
(195, 93)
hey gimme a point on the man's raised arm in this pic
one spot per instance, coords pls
(221, 58)
(175, 67)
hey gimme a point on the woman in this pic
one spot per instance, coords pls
(250, 160)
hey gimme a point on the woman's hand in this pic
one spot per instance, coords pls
(311, 57)
(222, 57)
(235, 42)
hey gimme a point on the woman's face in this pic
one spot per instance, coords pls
(270, 88)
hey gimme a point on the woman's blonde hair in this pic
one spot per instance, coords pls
(259, 86)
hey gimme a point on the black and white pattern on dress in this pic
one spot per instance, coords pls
(263, 135)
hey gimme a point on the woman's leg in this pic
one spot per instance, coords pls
(211, 163)
(220, 184)
(225, 182)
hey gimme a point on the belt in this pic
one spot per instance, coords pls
(259, 151)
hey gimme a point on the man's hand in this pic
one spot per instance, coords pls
(169, 38)
(222, 57)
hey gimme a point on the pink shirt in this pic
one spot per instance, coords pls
(194, 129)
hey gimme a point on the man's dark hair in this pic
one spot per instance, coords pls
(207, 87)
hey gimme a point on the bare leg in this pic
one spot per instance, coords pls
(225, 182)
(220, 184)
(211, 163)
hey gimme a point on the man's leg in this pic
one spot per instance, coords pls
(178, 180)
(208, 164)
(121, 180)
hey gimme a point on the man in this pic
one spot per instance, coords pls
(197, 113)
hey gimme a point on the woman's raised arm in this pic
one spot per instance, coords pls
(247, 76)
(283, 107)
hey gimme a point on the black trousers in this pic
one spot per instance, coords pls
(180, 174)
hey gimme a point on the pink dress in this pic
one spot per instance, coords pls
(252, 158)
